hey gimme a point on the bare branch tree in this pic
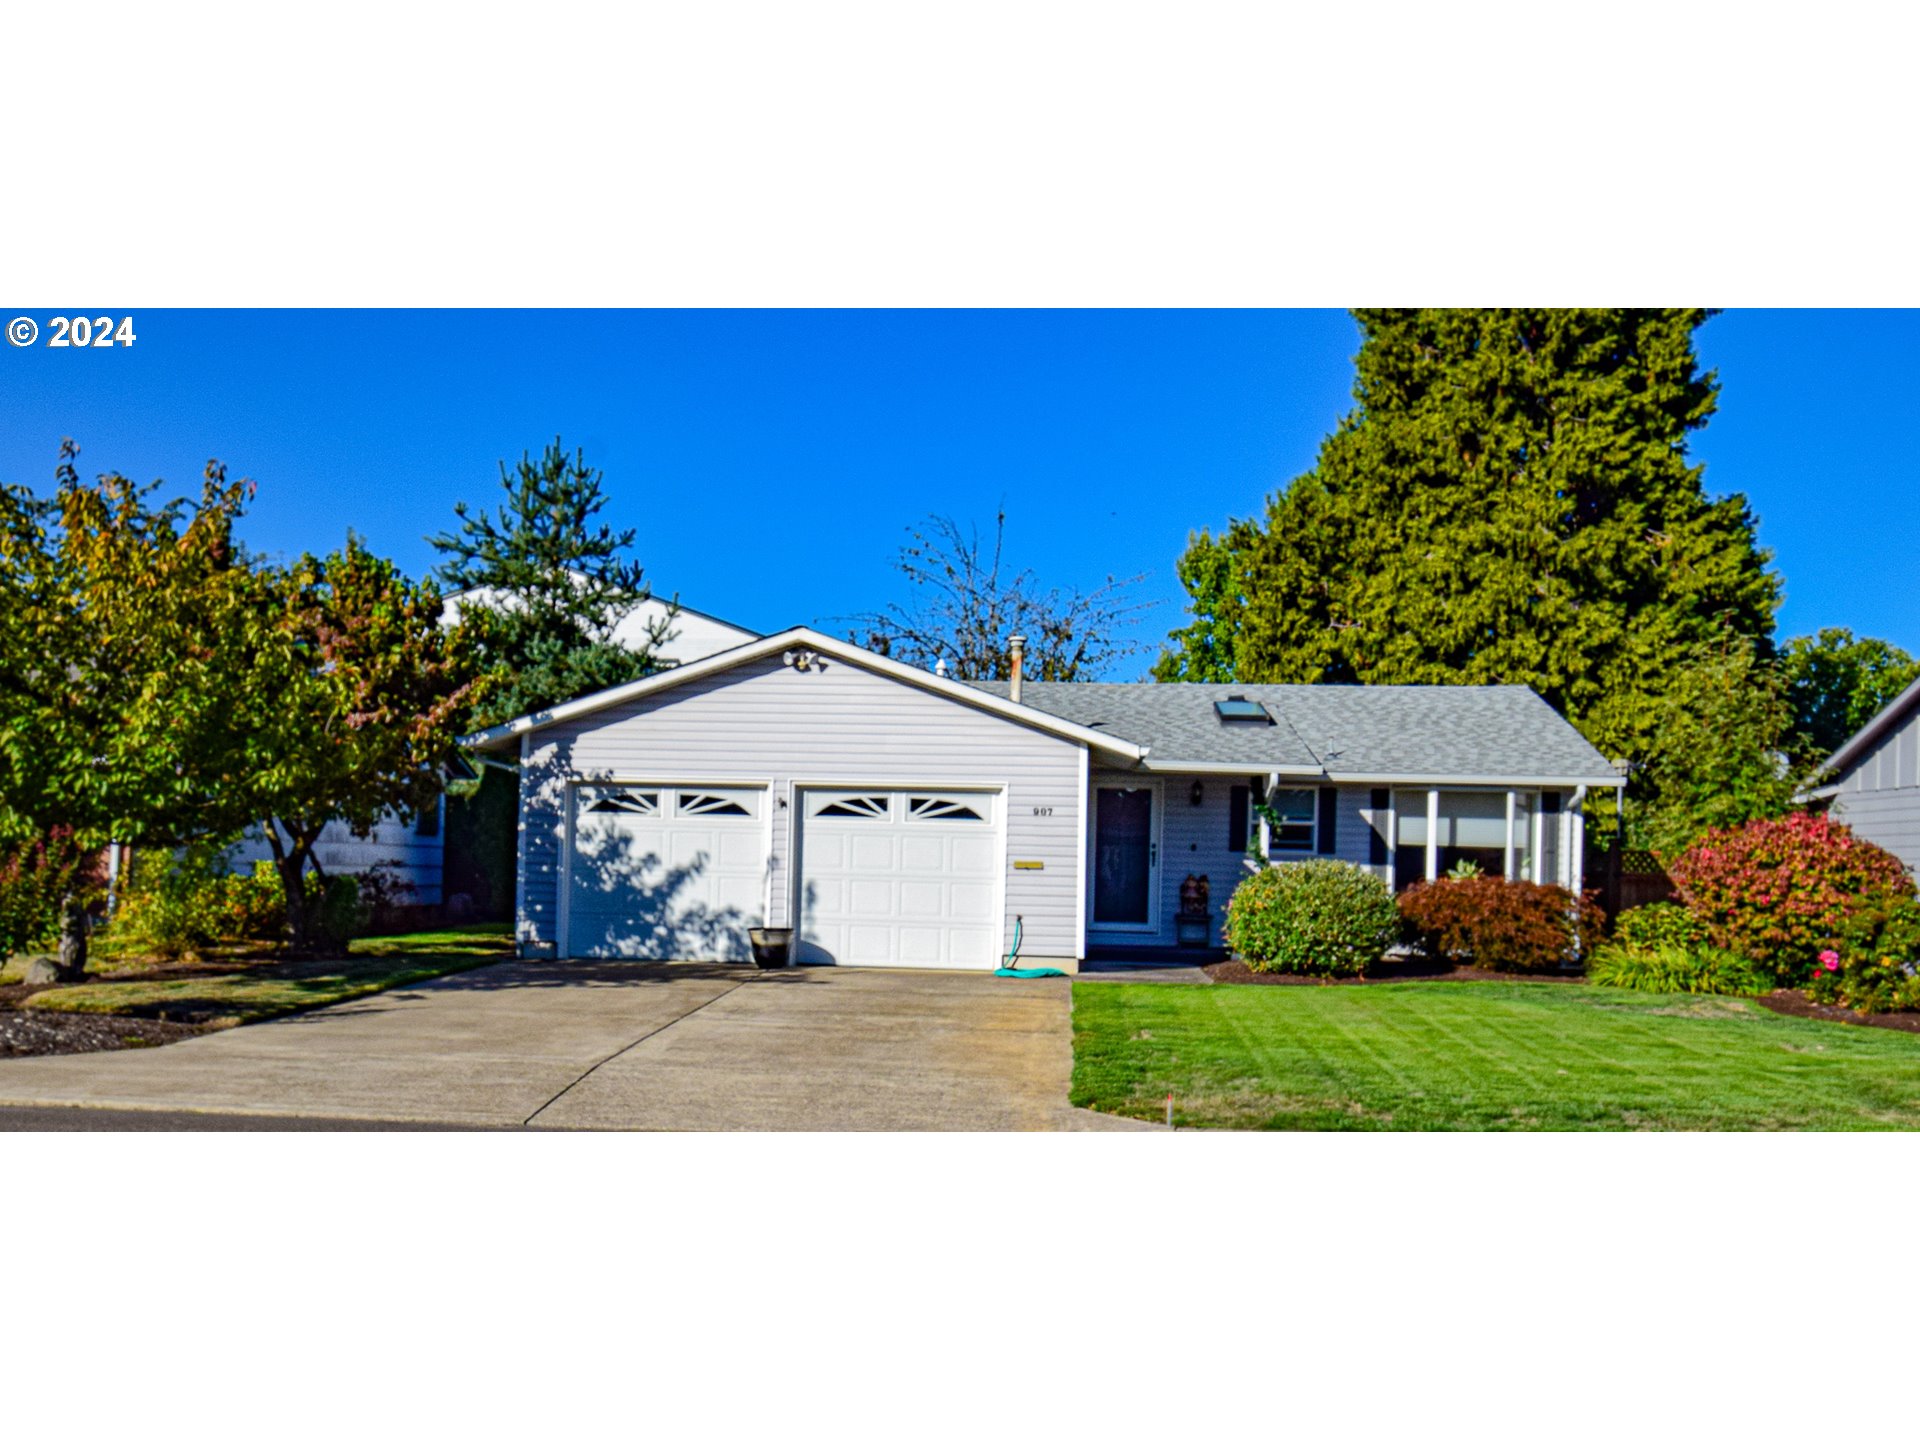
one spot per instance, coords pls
(966, 610)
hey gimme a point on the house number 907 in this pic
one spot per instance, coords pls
(1043, 809)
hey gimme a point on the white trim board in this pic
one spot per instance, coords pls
(801, 638)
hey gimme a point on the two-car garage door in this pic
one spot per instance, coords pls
(886, 876)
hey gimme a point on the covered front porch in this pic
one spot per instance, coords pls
(1152, 836)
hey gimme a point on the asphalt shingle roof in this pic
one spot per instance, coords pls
(1441, 731)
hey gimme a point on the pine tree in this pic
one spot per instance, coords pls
(1510, 501)
(546, 586)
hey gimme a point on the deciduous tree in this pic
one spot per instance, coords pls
(1836, 684)
(965, 607)
(127, 629)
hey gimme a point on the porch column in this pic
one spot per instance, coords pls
(1507, 864)
(1266, 825)
(1433, 834)
(1576, 847)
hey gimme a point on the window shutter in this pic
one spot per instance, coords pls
(1379, 802)
(1237, 797)
(1329, 816)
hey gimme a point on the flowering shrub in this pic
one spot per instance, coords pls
(1501, 924)
(35, 875)
(1874, 964)
(1312, 917)
(1781, 891)
(1670, 969)
(1647, 926)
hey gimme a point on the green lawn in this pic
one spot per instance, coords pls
(236, 991)
(1480, 1056)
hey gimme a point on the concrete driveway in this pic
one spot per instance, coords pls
(588, 1045)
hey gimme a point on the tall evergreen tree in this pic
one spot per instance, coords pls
(546, 584)
(1511, 501)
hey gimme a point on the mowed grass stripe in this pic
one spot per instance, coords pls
(1481, 1056)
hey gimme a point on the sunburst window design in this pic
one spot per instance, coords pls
(940, 807)
(855, 807)
(700, 804)
(626, 802)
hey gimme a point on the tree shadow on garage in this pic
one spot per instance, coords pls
(647, 914)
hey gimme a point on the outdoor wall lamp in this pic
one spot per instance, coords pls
(801, 659)
(1197, 793)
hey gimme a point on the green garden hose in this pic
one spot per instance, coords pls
(1012, 971)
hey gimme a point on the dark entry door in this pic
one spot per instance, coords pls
(1123, 858)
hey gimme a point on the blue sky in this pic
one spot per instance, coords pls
(771, 460)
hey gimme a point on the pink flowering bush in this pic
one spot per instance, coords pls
(1874, 965)
(1781, 891)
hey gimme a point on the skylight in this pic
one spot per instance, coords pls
(1238, 707)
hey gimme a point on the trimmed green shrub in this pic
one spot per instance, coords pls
(1782, 891)
(1500, 924)
(1666, 968)
(342, 911)
(1311, 917)
(1646, 926)
(1873, 965)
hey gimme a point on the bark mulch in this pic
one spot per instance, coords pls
(26, 1031)
(1795, 1002)
(51, 1032)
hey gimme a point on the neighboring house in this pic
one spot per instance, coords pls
(413, 848)
(895, 817)
(692, 634)
(1875, 784)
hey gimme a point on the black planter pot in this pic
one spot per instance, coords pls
(772, 949)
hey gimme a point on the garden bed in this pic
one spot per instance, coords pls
(128, 1004)
(1797, 1003)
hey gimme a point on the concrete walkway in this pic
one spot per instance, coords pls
(587, 1045)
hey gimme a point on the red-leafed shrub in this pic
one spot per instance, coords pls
(1500, 924)
(35, 875)
(1781, 891)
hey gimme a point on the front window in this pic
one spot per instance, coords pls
(1294, 814)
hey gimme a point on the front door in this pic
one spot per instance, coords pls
(1126, 858)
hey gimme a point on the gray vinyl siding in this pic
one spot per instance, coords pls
(1194, 841)
(841, 724)
(1879, 795)
(416, 861)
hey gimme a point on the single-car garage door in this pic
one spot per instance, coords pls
(901, 877)
(666, 872)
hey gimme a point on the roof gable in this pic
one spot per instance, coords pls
(797, 640)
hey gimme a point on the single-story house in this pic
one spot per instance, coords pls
(893, 816)
(1875, 779)
(412, 848)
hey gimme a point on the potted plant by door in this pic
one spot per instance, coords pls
(772, 948)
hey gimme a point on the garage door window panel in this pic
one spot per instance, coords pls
(851, 807)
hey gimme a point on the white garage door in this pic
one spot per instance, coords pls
(666, 872)
(900, 877)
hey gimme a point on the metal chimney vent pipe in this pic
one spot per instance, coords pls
(1017, 645)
